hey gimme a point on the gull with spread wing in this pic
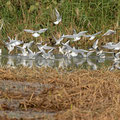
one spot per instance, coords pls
(76, 38)
(23, 50)
(77, 35)
(76, 51)
(92, 36)
(48, 55)
(59, 40)
(28, 45)
(36, 33)
(12, 43)
(45, 47)
(95, 45)
(109, 32)
(87, 54)
(112, 46)
(32, 55)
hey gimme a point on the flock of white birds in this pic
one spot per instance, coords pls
(65, 49)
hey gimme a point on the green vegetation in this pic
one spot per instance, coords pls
(90, 15)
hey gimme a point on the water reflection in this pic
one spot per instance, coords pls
(115, 65)
(92, 63)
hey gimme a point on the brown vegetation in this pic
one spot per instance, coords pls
(77, 95)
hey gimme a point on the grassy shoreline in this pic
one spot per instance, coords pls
(92, 16)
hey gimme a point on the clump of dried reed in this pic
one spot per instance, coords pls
(81, 94)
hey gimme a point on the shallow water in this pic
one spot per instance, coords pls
(93, 62)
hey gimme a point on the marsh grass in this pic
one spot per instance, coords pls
(92, 16)
(81, 94)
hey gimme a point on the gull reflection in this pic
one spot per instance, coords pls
(100, 60)
(1, 61)
(82, 60)
(41, 62)
(93, 65)
(89, 62)
(59, 62)
(115, 65)
(10, 62)
(24, 62)
(64, 62)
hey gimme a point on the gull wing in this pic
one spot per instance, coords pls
(48, 47)
(60, 39)
(11, 40)
(76, 50)
(57, 14)
(59, 18)
(95, 44)
(40, 43)
(117, 55)
(97, 33)
(109, 32)
(74, 31)
(68, 36)
(81, 33)
(80, 50)
(25, 45)
(41, 30)
(39, 52)
(94, 66)
(92, 37)
(66, 44)
(89, 53)
(83, 60)
(54, 38)
(87, 35)
(30, 52)
(50, 50)
(1, 26)
(109, 46)
(112, 68)
(29, 31)
(20, 48)
(30, 43)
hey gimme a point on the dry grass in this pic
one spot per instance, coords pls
(79, 95)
